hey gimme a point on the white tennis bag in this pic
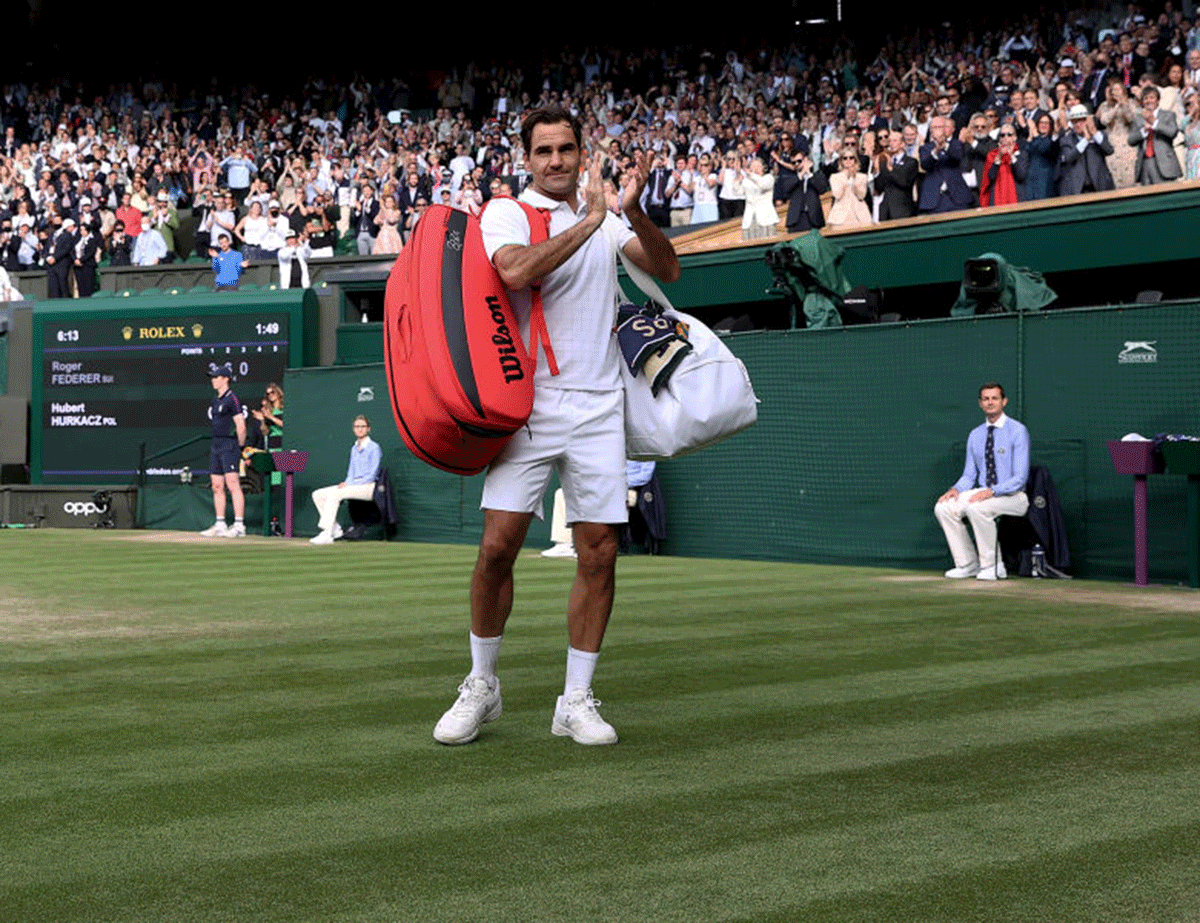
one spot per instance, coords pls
(707, 398)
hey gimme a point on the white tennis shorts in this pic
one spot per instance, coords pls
(582, 435)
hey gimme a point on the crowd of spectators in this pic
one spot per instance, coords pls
(935, 119)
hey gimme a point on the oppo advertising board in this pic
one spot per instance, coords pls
(111, 380)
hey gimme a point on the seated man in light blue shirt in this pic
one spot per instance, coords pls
(992, 484)
(365, 459)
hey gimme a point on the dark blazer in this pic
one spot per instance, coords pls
(895, 183)
(363, 219)
(1093, 87)
(1045, 515)
(8, 254)
(961, 115)
(974, 158)
(1043, 167)
(1031, 121)
(88, 253)
(804, 203)
(1019, 166)
(61, 246)
(1078, 171)
(406, 200)
(943, 168)
(85, 273)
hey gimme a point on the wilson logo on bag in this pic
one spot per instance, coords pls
(459, 375)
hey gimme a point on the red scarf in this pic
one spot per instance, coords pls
(1004, 190)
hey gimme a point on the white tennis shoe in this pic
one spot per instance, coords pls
(996, 572)
(478, 703)
(575, 716)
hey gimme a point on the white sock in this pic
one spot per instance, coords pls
(580, 667)
(484, 653)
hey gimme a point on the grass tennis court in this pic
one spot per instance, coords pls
(240, 730)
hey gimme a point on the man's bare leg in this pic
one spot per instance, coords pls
(591, 600)
(492, 580)
(491, 603)
(588, 610)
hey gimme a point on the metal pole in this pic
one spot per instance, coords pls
(141, 498)
(1021, 366)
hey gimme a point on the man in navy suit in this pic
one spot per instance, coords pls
(941, 158)
(59, 252)
(362, 219)
(895, 177)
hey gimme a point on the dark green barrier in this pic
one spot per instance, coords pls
(860, 429)
(321, 405)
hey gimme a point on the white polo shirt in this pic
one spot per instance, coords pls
(579, 298)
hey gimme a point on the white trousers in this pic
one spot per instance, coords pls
(328, 499)
(954, 514)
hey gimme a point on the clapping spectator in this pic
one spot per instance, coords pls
(1115, 116)
(1081, 158)
(388, 219)
(1042, 151)
(1005, 170)
(1191, 132)
(849, 189)
(1153, 132)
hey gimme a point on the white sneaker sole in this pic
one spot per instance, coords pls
(450, 741)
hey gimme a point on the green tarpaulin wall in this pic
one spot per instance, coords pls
(860, 429)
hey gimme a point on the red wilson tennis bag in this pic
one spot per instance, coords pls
(459, 375)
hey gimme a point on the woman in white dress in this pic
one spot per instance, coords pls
(760, 218)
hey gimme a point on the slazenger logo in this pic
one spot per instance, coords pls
(1138, 351)
(81, 509)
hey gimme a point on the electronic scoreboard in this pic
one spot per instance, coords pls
(108, 384)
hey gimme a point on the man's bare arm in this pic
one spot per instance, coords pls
(520, 266)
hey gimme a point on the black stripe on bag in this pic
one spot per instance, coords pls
(453, 310)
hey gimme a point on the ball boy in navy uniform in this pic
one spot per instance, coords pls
(228, 437)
